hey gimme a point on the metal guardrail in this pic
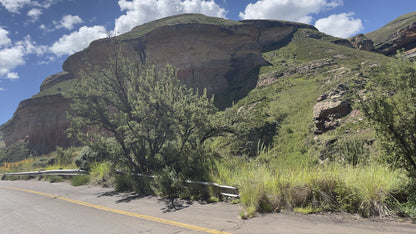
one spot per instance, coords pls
(224, 190)
(60, 172)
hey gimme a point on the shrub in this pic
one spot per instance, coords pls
(124, 182)
(85, 158)
(80, 180)
(101, 174)
(167, 184)
(55, 179)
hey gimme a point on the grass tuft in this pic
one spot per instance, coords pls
(80, 180)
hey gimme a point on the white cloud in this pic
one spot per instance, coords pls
(14, 5)
(142, 11)
(4, 39)
(44, 3)
(30, 46)
(10, 58)
(68, 22)
(76, 41)
(342, 25)
(34, 13)
(291, 10)
(13, 55)
(2, 89)
(12, 75)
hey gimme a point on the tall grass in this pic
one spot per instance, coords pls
(101, 174)
(364, 189)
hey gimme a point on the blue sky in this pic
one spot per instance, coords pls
(36, 36)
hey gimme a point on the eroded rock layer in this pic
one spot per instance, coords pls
(41, 122)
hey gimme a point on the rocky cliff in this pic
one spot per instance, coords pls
(209, 53)
(39, 121)
(396, 35)
(220, 55)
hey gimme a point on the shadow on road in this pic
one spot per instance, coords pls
(169, 206)
(176, 205)
(125, 197)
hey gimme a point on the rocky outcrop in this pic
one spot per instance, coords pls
(361, 42)
(207, 55)
(329, 109)
(404, 38)
(41, 122)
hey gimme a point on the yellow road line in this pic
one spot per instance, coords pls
(131, 214)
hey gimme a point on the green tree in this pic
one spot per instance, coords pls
(390, 104)
(143, 118)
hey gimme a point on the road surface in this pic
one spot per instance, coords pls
(41, 207)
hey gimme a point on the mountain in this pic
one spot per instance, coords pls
(396, 35)
(285, 72)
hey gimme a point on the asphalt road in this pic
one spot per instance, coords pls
(41, 207)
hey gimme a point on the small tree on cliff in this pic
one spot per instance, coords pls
(390, 104)
(144, 119)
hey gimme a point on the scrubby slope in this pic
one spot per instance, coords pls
(308, 67)
(396, 35)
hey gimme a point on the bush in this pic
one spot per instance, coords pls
(43, 162)
(167, 184)
(85, 158)
(65, 157)
(55, 179)
(101, 174)
(80, 180)
(124, 183)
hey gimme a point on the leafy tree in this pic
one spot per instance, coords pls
(390, 104)
(144, 119)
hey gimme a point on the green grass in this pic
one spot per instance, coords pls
(59, 88)
(335, 187)
(80, 180)
(54, 179)
(287, 175)
(101, 174)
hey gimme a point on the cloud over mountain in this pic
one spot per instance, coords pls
(68, 22)
(78, 40)
(142, 11)
(291, 10)
(339, 25)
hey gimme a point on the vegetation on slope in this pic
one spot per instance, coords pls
(290, 173)
(272, 155)
(384, 33)
(59, 88)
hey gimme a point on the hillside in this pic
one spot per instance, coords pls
(398, 34)
(302, 81)
(286, 129)
(279, 68)
(219, 55)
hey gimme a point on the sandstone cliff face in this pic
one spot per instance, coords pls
(41, 121)
(403, 39)
(207, 56)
